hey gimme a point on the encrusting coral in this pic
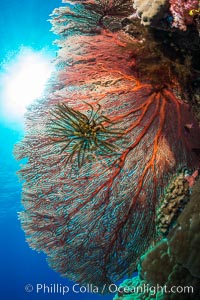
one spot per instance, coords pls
(179, 11)
(173, 261)
(96, 217)
(175, 198)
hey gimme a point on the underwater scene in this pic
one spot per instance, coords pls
(100, 149)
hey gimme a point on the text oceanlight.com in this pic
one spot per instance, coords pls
(57, 288)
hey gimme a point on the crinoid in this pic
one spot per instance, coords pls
(80, 134)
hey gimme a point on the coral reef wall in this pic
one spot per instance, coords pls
(174, 261)
(100, 147)
(179, 11)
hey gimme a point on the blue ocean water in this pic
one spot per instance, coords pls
(23, 23)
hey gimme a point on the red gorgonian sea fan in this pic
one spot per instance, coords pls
(96, 217)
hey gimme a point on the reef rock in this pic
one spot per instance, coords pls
(172, 262)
